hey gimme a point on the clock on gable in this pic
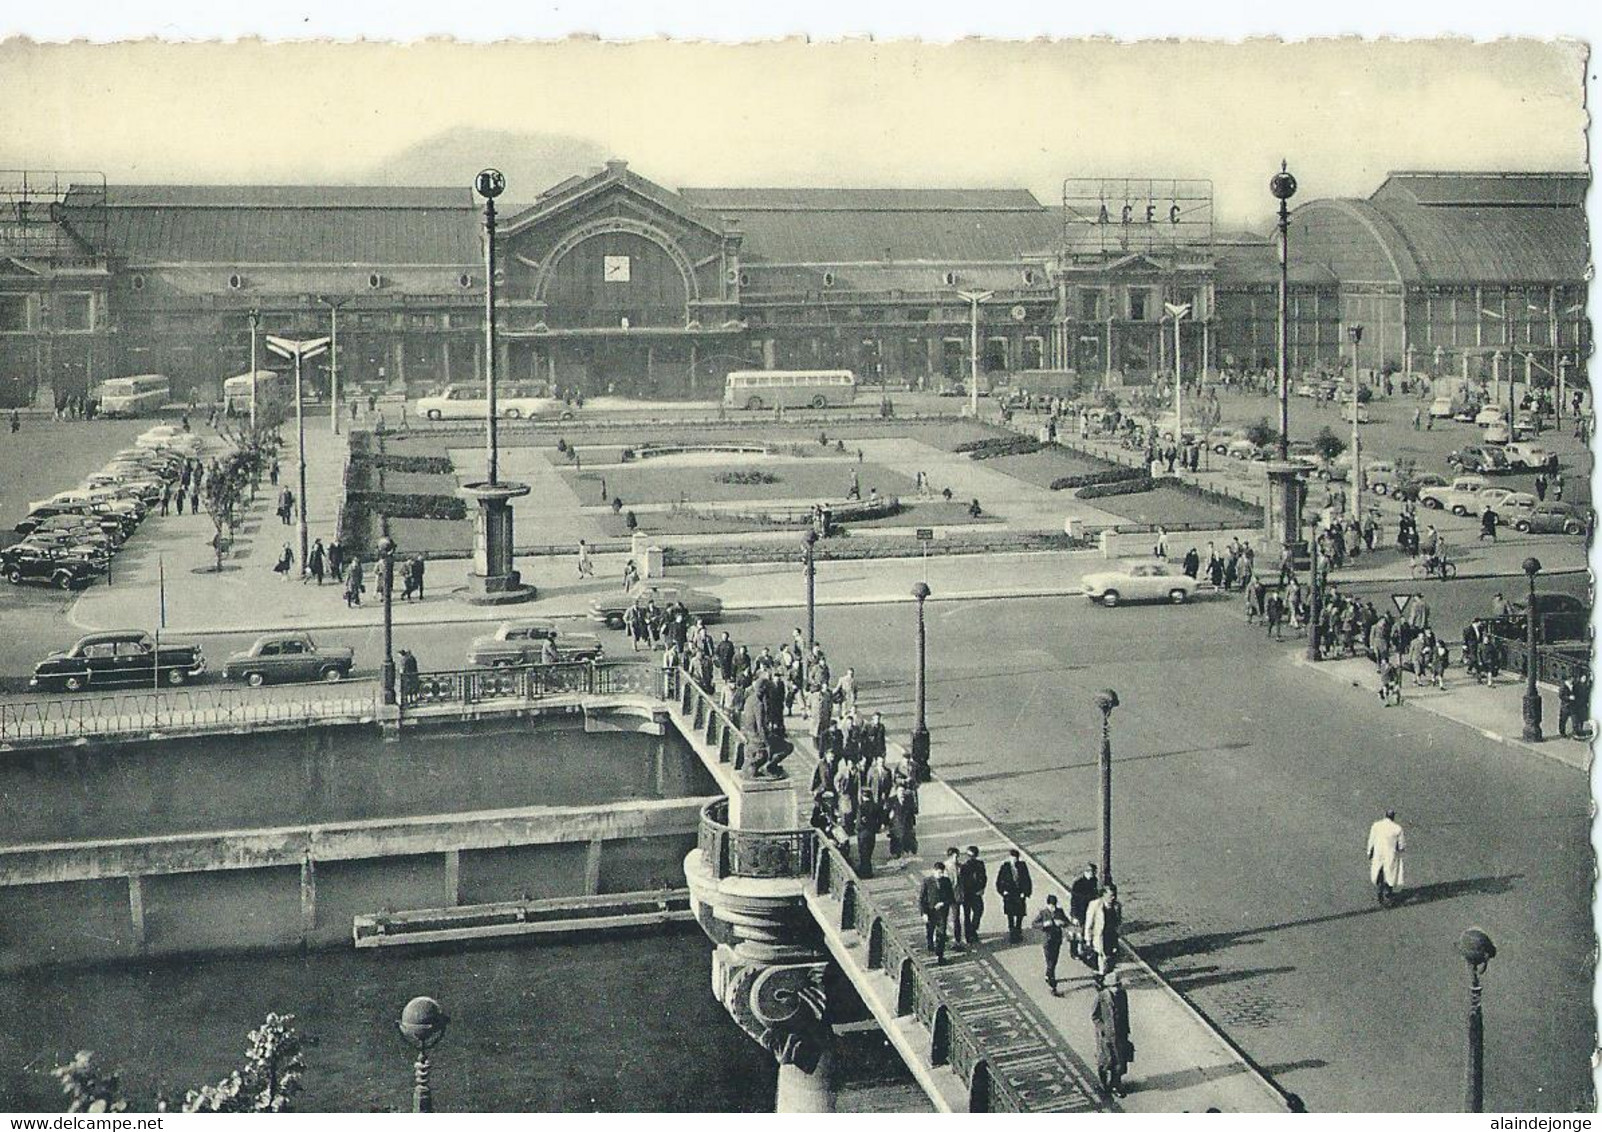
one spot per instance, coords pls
(615, 268)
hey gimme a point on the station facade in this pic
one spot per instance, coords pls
(611, 282)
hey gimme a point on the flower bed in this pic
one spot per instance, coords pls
(746, 476)
(1096, 479)
(1123, 485)
(991, 447)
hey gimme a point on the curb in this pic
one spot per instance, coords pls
(1544, 750)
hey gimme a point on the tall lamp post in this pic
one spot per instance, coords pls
(333, 306)
(1315, 597)
(973, 299)
(809, 542)
(1356, 333)
(422, 1023)
(386, 563)
(1532, 695)
(1105, 701)
(1177, 311)
(920, 726)
(299, 352)
(255, 325)
(1283, 186)
(1478, 951)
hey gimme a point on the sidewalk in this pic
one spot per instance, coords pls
(1495, 712)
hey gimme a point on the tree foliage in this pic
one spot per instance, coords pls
(1327, 444)
(1262, 433)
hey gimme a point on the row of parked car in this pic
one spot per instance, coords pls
(69, 538)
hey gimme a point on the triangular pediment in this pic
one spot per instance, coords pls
(613, 181)
(1137, 263)
(12, 267)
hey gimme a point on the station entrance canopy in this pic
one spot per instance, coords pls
(1109, 215)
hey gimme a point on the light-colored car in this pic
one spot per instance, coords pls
(1242, 449)
(467, 402)
(1516, 507)
(1528, 454)
(169, 438)
(1460, 497)
(1378, 475)
(523, 642)
(1496, 432)
(1153, 580)
(1491, 414)
(109, 498)
(1494, 498)
(1441, 408)
(1219, 439)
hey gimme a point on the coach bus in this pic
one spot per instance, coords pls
(137, 396)
(789, 388)
(270, 391)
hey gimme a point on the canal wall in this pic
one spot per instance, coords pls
(301, 886)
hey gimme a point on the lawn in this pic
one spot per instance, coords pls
(1040, 468)
(1170, 506)
(916, 514)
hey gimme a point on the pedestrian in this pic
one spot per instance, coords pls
(286, 557)
(315, 561)
(194, 497)
(408, 580)
(902, 813)
(935, 899)
(1274, 614)
(354, 585)
(586, 564)
(1161, 549)
(409, 677)
(166, 497)
(1114, 1050)
(1386, 844)
(336, 560)
(418, 562)
(1080, 896)
(1557, 487)
(953, 864)
(1052, 923)
(1574, 705)
(1488, 519)
(631, 576)
(1014, 885)
(1103, 921)
(273, 472)
(975, 879)
(16, 422)
(182, 495)
(1540, 489)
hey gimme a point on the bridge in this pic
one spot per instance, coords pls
(791, 920)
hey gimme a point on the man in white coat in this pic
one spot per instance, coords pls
(1385, 848)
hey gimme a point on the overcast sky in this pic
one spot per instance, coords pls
(862, 113)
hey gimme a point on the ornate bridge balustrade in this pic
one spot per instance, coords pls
(536, 681)
(761, 854)
(715, 725)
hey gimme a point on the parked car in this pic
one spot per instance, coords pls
(1441, 408)
(121, 657)
(54, 566)
(73, 545)
(1496, 432)
(80, 528)
(1478, 459)
(1556, 518)
(1515, 507)
(609, 611)
(109, 498)
(1243, 449)
(1140, 581)
(1460, 497)
(1530, 455)
(1489, 415)
(1379, 475)
(127, 483)
(1219, 439)
(171, 438)
(459, 402)
(523, 642)
(113, 525)
(284, 657)
(1407, 490)
(1558, 617)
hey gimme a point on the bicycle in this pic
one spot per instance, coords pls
(1434, 568)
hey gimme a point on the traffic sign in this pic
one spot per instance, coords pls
(1401, 602)
(925, 534)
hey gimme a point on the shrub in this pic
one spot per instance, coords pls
(410, 505)
(746, 476)
(1135, 486)
(630, 521)
(426, 465)
(993, 446)
(1327, 444)
(1089, 479)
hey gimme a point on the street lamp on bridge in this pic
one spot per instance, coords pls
(299, 352)
(809, 542)
(920, 727)
(1105, 701)
(386, 565)
(1478, 951)
(1356, 334)
(422, 1023)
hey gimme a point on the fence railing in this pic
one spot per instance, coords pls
(1553, 663)
(716, 726)
(897, 953)
(225, 707)
(761, 854)
(533, 682)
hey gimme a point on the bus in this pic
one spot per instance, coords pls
(141, 395)
(789, 388)
(270, 392)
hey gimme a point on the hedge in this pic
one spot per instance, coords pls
(1141, 482)
(428, 465)
(410, 506)
(1000, 446)
(1092, 479)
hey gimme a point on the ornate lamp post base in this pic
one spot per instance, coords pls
(1282, 516)
(494, 581)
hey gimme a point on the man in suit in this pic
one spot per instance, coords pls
(1014, 885)
(974, 879)
(953, 863)
(935, 900)
(725, 656)
(1052, 922)
(873, 738)
(1083, 890)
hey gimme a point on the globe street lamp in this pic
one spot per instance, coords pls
(1478, 951)
(422, 1023)
(920, 728)
(1105, 702)
(1532, 695)
(809, 540)
(1283, 186)
(386, 559)
(1356, 333)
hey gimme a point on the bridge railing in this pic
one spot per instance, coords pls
(1553, 663)
(720, 730)
(898, 954)
(535, 681)
(106, 715)
(760, 854)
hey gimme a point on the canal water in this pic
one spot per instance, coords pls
(329, 775)
(622, 1024)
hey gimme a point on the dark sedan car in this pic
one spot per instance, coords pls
(117, 525)
(61, 567)
(286, 657)
(1556, 519)
(120, 658)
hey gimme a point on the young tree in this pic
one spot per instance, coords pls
(1327, 444)
(1262, 434)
